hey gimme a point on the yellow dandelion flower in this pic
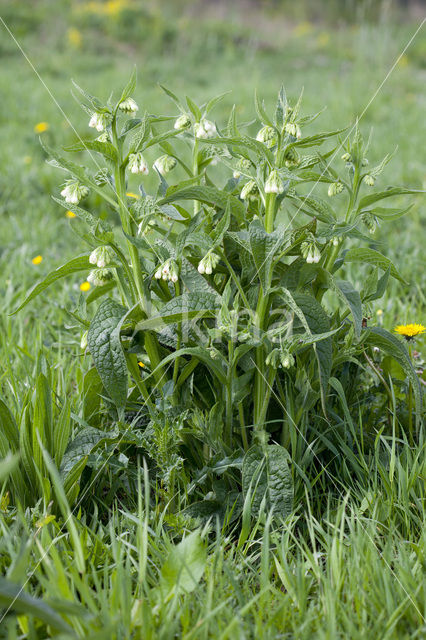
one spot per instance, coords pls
(85, 286)
(37, 260)
(41, 127)
(74, 37)
(28, 159)
(70, 214)
(410, 331)
(129, 194)
(141, 364)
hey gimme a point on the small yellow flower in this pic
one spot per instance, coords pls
(129, 194)
(85, 286)
(28, 159)
(37, 260)
(70, 214)
(74, 37)
(410, 331)
(379, 312)
(141, 364)
(41, 127)
(45, 520)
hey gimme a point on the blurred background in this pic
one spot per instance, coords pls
(346, 54)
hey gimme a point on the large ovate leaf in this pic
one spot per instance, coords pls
(266, 477)
(393, 346)
(81, 263)
(104, 344)
(352, 298)
(82, 445)
(184, 566)
(263, 247)
(188, 306)
(371, 256)
(105, 148)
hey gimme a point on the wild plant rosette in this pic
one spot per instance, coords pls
(220, 306)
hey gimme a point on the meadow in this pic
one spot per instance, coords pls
(223, 482)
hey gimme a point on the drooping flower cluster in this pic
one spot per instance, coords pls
(249, 191)
(164, 164)
(168, 271)
(208, 263)
(310, 251)
(98, 121)
(205, 129)
(274, 183)
(243, 165)
(99, 277)
(128, 106)
(293, 129)
(101, 256)
(138, 164)
(74, 191)
(335, 188)
(267, 135)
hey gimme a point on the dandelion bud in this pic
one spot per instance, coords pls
(137, 163)
(164, 164)
(101, 256)
(369, 180)
(183, 122)
(99, 277)
(98, 121)
(128, 106)
(249, 190)
(274, 184)
(83, 341)
(335, 188)
(347, 157)
(74, 191)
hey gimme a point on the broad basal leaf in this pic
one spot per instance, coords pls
(104, 343)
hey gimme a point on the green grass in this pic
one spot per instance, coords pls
(351, 561)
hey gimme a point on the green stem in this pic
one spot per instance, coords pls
(178, 340)
(270, 200)
(195, 171)
(410, 404)
(229, 389)
(151, 343)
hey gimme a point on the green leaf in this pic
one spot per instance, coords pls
(193, 108)
(184, 566)
(371, 256)
(93, 222)
(388, 213)
(393, 346)
(266, 477)
(81, 263)
(8, 426)
(82, 445)
(185, 307)
(141, 134)
(380, 195)
(104, 344)
(12, 596)
(209, 195)
(130, 86)
(263, 247)
(105, 148)
(352, 298)
(318, 322)
(261, 112)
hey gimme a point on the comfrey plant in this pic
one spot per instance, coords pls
(212, 287)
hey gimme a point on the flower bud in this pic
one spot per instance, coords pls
(335, 188)
(369, 180)
(74, 191)
(99, 277)
(208, 263)
(128, 106)
(249, 190)
(274, 184)
(267, 135)
(347, 157)
(98, 121)
(335, 241)
(183, 122)
(104, 137)
(101, 256)
(291, 158)
(364, 162)
(137, 163)
(164, 164)
(83, 341)
(370, 221)
(204, 129)
(287, 360)
(243, 165)
(293, 129)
